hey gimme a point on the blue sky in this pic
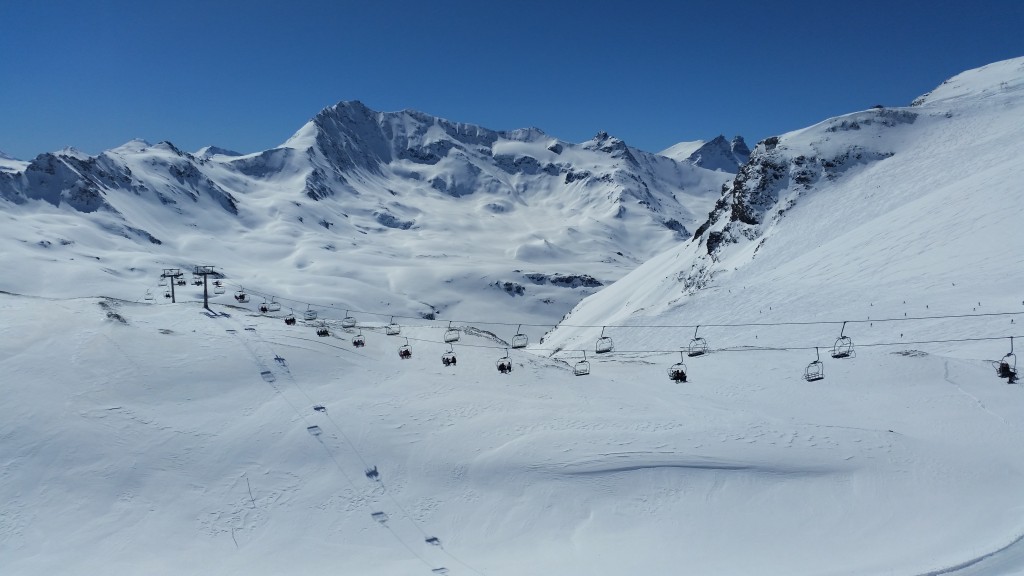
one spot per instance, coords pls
(247, 74)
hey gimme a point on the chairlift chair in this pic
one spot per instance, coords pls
(180, 282)
(167, 294)
(218, 289)
(323, 331)
(448, 358)
(358, 341)
(392, 329)
(241, 296)
(263, 307)
(604, 344)
(520, 340)
(582, 368)
(677, 372)
(1007, 366)
(290, 319)
(698, 346)
(149, 295)
(404, 351)
(309, 314)
(504, 363)
(273, 306)
(815, 370)
(348, 321)
(451, 334)
(843, 347)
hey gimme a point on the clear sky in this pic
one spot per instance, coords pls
(246, 74)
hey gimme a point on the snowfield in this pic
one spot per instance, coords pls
(145, 437)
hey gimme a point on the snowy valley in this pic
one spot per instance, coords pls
(141, 436)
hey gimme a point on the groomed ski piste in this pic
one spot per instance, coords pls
(140, 436)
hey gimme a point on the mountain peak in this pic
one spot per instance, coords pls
(721, 155)
(210, 151)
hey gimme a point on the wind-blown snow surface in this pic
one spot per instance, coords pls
(142, 438)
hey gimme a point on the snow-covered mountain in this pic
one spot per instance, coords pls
(718, 154)
(912, 204)
(517, 222)
(10, 164)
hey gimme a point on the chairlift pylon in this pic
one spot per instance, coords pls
(451, 334)
(843, 347)
(677, 372)
(448, 358)
(815, 370)
(348, 321)
(393, 329)
(698, 346)
(604, 343)
(520, 340)
(582, 368)
(404, 351)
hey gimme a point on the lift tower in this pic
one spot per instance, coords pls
(172, 275)
(205, 271)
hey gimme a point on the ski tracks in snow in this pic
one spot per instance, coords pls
(980, 404)
(375, 494)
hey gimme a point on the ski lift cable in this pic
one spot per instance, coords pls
(737, 348)
(705, 324)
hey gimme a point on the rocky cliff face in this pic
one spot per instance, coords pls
(781, 170)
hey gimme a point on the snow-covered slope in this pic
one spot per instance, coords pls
(517, 225)
(887, 205)
(133, 432)
(9, 164)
